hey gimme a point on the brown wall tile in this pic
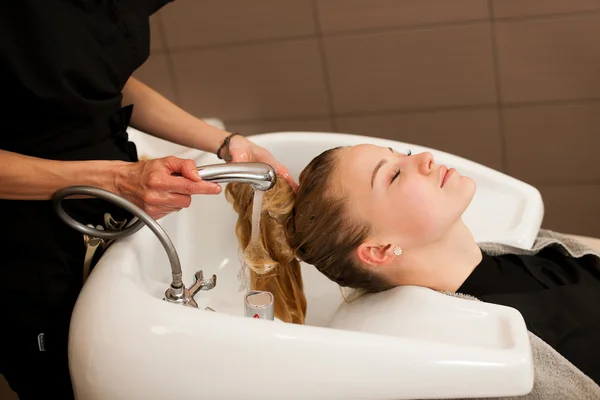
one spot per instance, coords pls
(253, 82)
(549, 60)
(472, 134)
(558, 143)
(155, 73)
(572, 208)
(156, 37)
(522, 8)
(408, 84)
(190, 23)
(348, 15)
(322, 124)
(413, 69)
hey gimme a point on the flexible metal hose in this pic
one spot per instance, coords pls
(260, 175)
(142, 216)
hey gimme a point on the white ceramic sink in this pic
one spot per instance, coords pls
(407, 343)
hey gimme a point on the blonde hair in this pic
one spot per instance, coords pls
(311, 226)
(273, 266)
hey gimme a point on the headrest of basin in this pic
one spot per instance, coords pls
(420, 313)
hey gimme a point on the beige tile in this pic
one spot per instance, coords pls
(322, 124)
(155, 73)
(522, 8)
(550, 59)
(191, 23)
(413, 69)
(156, 37)
(253, 82)
(472, 134)
(555, 144)
(348, 15)
(572, 208)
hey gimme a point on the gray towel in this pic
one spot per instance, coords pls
(555, 378)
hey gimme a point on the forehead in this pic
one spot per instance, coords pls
(354, 172)
(357, 164)
(360, 157)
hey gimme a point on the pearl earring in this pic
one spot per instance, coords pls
(397, 250)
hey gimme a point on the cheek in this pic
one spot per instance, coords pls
(421, 209)
(460, 196)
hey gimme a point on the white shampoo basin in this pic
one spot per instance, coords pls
(126, 343)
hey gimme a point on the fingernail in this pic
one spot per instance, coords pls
(218, 189)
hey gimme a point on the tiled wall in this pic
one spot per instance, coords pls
(513, 84)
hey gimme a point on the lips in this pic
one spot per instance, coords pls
(445, 173)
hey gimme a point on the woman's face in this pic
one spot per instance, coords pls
(407, 200)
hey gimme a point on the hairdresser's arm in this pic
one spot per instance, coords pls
(156, 115)
(149, 184)
(30, 178)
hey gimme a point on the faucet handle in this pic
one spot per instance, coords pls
(198, 276)
(201, 284)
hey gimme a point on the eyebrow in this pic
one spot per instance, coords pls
(379, 165)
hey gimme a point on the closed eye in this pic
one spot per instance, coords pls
(395, 176)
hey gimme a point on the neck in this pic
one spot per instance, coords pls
(441, 265)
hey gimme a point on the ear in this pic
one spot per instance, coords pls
(375, 254)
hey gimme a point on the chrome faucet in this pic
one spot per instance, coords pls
(260, 176)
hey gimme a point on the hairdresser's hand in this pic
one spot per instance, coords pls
(243, 150)
(151, 185)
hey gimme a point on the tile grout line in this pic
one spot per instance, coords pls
(383, 30)
(169, 59)
(324, 67)
(547, 17)
(498, 87)
(243, 43)
(428, 110)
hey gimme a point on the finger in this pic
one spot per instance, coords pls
(154, 201)
(158, 181)
(189, 170)
(285, 174)
(160, 212)
(175, 201)
(181, 185)
(183, 167)
(291, 182)
(186, 187)
(156, 217)
(187, 184)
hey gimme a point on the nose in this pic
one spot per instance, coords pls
(425, 162)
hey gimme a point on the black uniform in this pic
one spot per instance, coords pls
(63, 64)
(558, 296)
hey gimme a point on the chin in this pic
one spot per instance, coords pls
(469, 187)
